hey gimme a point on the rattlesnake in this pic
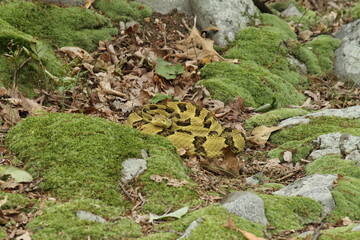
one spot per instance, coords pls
(188, 127)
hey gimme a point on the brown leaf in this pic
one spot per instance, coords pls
(76, 52)
(261, 134)
(231, 225)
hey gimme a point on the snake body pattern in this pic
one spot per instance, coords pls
(188, 127)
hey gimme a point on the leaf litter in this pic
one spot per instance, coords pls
(123, 74)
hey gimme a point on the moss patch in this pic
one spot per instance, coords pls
(81, 156)
(346, 195)
(343, 233)
(248, 79)
(333, 164)
(32, 74)
(121, 10)
(299, 149)
(296, 210)
(273, 117)
(61, 220)
(214, 217)
(274, 21)
(317, 126)
(60, 27)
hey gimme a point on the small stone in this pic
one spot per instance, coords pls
(84, 215)
(356, 228)
(252, 181)
(247, 205)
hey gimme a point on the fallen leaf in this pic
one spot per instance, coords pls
(76, 52)
(177, 214)
(261, 134)
(16, 173)
(250, 236)
(167, 69)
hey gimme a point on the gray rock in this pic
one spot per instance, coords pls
(299, 66)
(305, 234)
(252, 181)
(165, 6)
(326, 141)
(133, 167)
(247, 205)
(291, 11)
(317, 187)
(347, 56)
(192, 226)
(84, 215)
(356, 228)
(354, 156)
(229, 16)
(322, 152)
(350, 112)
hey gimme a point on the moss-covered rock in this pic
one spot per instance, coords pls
(123, 10)
(274, 21)
(80, 157)
(343, 233)
(273, 117)
(60, 27)
(297, 211)
(212, 226)
(32, 74)
(61, 220)
(255, 84)
(316, 127)
(346, 195)
(333, 164)
(299, 149)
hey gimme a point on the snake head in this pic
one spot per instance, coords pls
(161, 121)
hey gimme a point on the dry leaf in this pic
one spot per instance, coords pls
(231, 225)
(88, 3)
(261, 134)
(76, 52)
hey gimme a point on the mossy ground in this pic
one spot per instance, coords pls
(214, 217)
(317, 126)
(28, 77)
(122, 10)
(297, 211)
(273, 117)
(255, 84)
(59, 27)
(81, 156)
(61, 220)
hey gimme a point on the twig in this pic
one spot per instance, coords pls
(126, 192)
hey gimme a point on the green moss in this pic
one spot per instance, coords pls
(355, 11)
(61, 220)
(333, 164)
(317, 126)
(308, 57)
(273, 117)
(162, 236)
(343, 233)
(214, 217)
(323, 47)
(122, 9)
(297, 211)
(225, 89)
(271, 186)
(15, 200)
(346, 195)
(32, 74)
(60, 27)
(3, 234)
(261, 45)
(266, 46)
(248, 78)
(274, 21)
(280, 6)
(299, 149)
(80, 157)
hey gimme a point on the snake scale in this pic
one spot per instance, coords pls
(188, 127)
